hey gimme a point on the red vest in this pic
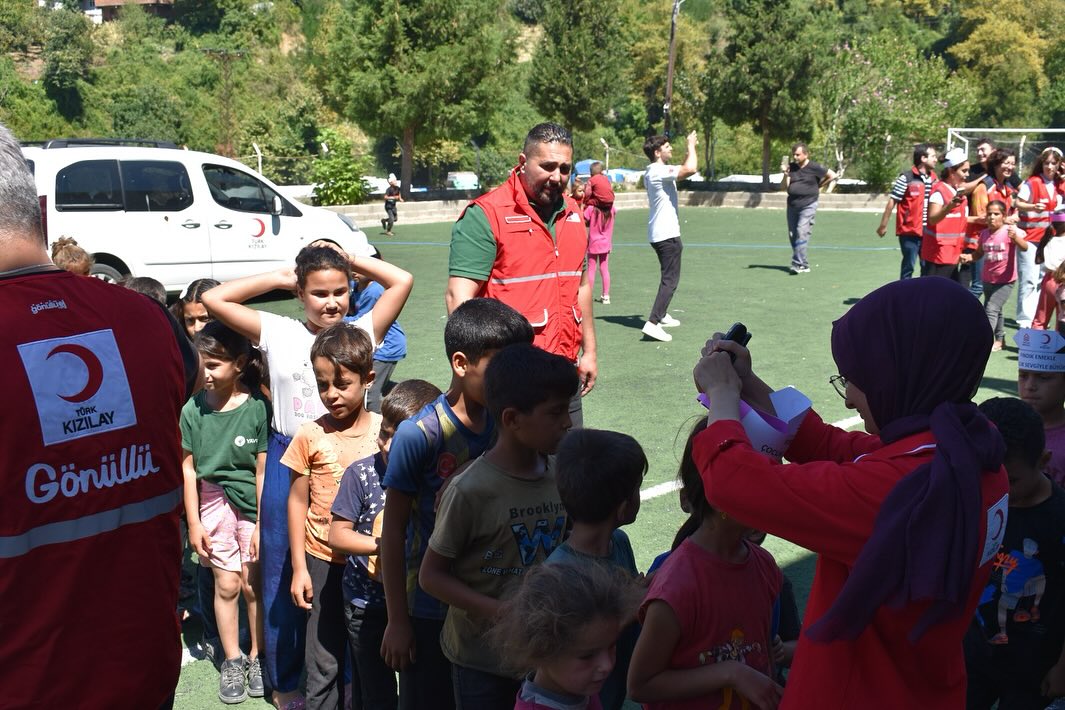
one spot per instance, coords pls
(941, 243)
(909, 220)
(535, 274)
(90, 546)
(1036, 223)
(1003, 193)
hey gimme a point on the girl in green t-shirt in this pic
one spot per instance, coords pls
(224, 438)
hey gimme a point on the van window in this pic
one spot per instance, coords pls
(236, 191)
(239, 191)
(155, 186)
(88, 185)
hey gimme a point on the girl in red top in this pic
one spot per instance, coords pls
(707, 639)
(905, 520)
(1036, 201)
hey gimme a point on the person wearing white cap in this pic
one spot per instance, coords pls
(944, 230)
(392, 195)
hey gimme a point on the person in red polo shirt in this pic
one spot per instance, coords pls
(90, 548)
(524, 243)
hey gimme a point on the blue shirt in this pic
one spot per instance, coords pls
(394, 347)
(360, 499)
(426, 449)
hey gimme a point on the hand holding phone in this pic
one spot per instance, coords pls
(738, 334)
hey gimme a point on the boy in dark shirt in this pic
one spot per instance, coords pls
(1013, 651)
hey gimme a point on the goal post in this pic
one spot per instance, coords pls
(1027, 143)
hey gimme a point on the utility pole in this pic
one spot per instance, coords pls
(667, 106)
(225, 113)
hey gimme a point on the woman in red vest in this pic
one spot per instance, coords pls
(1036, 200)
(944, 230)
(994, 185)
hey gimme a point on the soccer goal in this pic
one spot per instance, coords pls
(1027, 143)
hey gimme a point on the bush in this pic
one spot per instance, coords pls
(338, 173)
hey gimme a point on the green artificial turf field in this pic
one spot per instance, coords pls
(735, 268)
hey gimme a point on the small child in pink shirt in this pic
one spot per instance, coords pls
(997, 244)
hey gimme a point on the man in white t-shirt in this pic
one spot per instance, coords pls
(663, 226)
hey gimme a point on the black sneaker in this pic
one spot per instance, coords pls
(255, 677)
(231, 684)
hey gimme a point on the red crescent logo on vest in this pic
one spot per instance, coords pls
(92, 364)
(1000, 520)
(446, 464)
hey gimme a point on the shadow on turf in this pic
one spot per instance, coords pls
(998, 384)
(770, 267)
(633, 321)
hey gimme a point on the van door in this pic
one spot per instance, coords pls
(246, 237)
(162, 216)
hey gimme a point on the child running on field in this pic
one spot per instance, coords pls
(707, 618)
(999, 244)
(425, 451)
(223, 435)
(358, 511)
(599, 478)
(560, 629)
(499, 518)
(342, 358)
(321, 282)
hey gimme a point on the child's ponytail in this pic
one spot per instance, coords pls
(692, 489)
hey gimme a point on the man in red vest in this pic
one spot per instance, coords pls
(90, 548)
(524, 243)
(910, 193)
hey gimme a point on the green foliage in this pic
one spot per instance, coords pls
(338, 173)
(765, 71)
(21, 25)
(528, 11)
(68, 49)
(26, 108)
(418, 71)
(576, 72)
(884, 97)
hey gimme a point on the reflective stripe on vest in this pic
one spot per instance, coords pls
(1039, 219)
(89, 525)
(537, 277)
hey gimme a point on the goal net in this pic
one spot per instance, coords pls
(1027, 143)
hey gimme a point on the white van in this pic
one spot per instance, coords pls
(174, 215)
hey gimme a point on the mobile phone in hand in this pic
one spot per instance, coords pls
(738, 333)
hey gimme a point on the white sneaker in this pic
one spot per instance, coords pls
(668, 321)
(606, 300)
(654, 330)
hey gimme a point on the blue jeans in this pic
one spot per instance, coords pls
(285, 626)
(911, 249)
(477, 690)
(800, 227)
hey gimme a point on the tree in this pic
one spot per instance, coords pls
(881, 97)
(765, 71)
(419, 71)
(576, 75)
(68, 56)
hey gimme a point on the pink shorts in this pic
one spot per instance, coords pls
(230, 531)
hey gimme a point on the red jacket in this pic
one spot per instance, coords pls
(942, 242)
(1036, 223)
(909, 220)
(827, 502)
(537, 274)
(90, 548)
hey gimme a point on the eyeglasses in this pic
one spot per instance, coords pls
(839, 382)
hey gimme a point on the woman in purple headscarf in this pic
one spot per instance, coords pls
(905, 519)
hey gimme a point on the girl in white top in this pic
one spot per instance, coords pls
(321, 281)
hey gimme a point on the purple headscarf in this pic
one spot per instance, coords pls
(917, 349)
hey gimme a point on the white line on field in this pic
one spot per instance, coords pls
(668, 487)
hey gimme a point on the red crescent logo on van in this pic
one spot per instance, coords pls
(92, 364)
(262, 228)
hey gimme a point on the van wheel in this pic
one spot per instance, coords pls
(106, 272)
